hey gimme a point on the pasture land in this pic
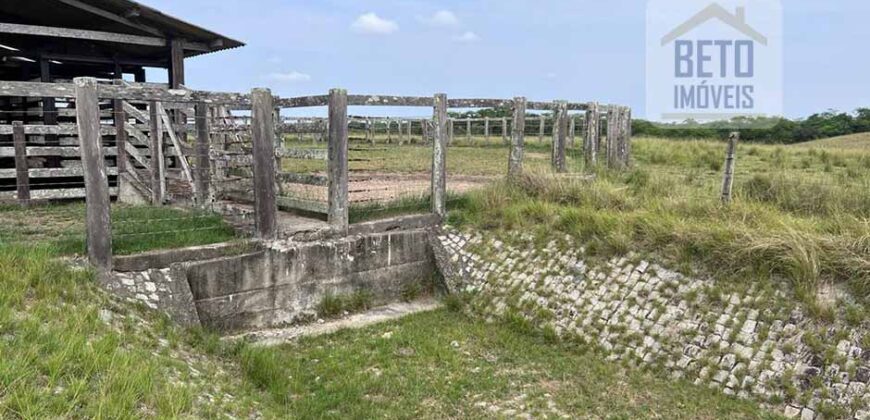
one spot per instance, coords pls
(70, 351)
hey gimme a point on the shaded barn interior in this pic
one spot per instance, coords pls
(57, 40)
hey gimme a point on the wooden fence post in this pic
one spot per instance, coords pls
(338, 212)
(486, 129)
(468, 130)
(504, 130)
(571, 131)
(590, 143)
(410, 122)
(263, 151)
(541, 127)
(626, 136)
(22, 170)
(450, 125)
(98, 216)
(158, 172)
(730, 156)
(203, 160)
(515, 161)
(439, 156)
(560, 133)
(612, 139)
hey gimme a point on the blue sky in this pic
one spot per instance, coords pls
(576, 50)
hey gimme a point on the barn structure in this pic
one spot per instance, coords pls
(54, 41)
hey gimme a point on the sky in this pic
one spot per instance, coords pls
(579, 50)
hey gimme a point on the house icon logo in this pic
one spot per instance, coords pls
(716, 11)
(717, 61)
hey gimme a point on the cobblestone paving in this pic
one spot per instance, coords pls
(746, 342)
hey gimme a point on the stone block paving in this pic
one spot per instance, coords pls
(745, 343)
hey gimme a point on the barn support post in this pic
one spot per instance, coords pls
(99, 221)
(203, 160)
(338, 212)
(515, 162)
(730, 157)
(439, 156)
(560, 133)
(590, 142)
(158, 180)
(263, 151)
(22, 170)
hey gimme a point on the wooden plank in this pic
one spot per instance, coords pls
(388, 100)
(22, 175)
(185, 166)
(302, 178)
(479, 103)
(99, 221)
(302, 101)
(291, 203)
(263, 139)
(305, 154)
(60, 151)
(52, 194)
(158, 175)
(203, 159)
(136, 113)
(121, 137)
(55, 32)
(515, 159)
(60, 130)
(74, 170)
(439, 156)
(141, 139)
(111, 16)
(337, 167)
(137, 155)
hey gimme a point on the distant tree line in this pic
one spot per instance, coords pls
(765, 130)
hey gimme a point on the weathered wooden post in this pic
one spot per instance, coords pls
(468, 130)
(203, 158)
(158, 163)
(98, 216)
(504, 130)
(611, 153)
(730, 156)
(515, 161)
(560, 133)
(263, 151)
(120, 119)
(450, 129)
(590, 143)
(439, 156)
(22, 170)
(338, 212)
(400, 132)
(625, 135)
(541, 127)
(571, 131)
(410, 122)
(486, 129)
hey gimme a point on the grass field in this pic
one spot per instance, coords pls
(799, 216)
(61, 228)
(71, 352)
(859, 141)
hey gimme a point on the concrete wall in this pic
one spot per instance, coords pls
(284, 283)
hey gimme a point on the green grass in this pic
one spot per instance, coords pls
(799, 216)
(63, 359)
(134, 228)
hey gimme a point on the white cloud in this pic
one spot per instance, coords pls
(293, 76)
(442, 18)
(467, 37)
(370, 23)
